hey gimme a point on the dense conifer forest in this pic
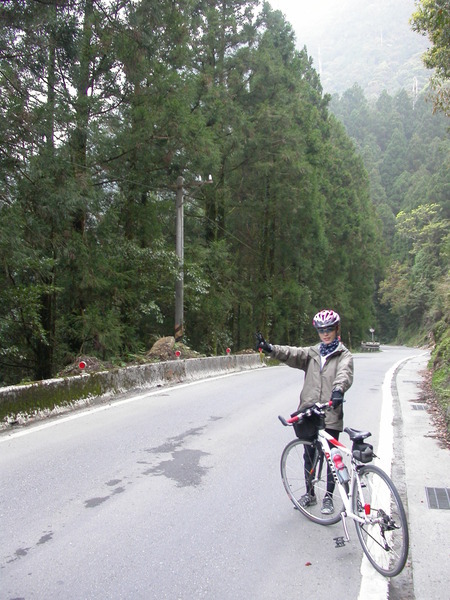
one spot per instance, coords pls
(406, 150)
(293, 200)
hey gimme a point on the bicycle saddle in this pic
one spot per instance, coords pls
(355, 434)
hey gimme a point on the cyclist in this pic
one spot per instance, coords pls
(328, 370)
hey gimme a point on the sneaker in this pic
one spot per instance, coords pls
(327, 506)
(307, 500)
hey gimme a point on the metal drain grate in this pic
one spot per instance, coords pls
(419, 406)
(438, 498)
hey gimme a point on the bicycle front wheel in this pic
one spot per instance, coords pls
(307, 486)
(384, 533)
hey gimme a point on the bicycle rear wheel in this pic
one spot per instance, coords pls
(299, 483)
(384, 538)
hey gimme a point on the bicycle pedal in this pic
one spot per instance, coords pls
(340, 542)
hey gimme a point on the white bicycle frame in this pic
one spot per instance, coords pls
(324, 438)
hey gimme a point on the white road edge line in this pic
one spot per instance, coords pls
(373, 585)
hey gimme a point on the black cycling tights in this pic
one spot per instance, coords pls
(308, 458)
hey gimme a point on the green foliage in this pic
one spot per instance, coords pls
(413, 285)
(440, 362)
(405, 149)
(432, 18)
(102, 108)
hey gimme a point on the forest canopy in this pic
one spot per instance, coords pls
(406, 151)
(104, 105)
(432, 18)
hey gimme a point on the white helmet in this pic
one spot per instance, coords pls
(326, 318)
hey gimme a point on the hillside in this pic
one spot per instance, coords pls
(369, 43)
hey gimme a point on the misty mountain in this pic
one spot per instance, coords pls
(370, 43)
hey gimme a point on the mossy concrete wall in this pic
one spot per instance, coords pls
(66, 390)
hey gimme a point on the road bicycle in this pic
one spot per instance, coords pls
(366, 494)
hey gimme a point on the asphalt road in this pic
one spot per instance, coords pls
(175, 494)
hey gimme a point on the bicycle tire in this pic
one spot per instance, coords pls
(385, 543)
(296, 482)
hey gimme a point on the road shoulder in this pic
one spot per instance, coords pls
(420, 462)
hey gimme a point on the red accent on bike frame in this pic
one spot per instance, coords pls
(336, 443)
(367, 509)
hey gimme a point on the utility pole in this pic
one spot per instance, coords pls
(179, 248)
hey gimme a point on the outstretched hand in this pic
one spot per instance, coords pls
(337, 398)
(262, 345)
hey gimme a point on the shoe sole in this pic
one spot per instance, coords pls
(305, 506)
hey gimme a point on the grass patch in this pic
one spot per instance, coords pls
(440, 365)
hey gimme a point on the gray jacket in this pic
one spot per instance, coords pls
(336, 374)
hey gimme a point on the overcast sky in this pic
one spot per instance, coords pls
(308, 19)
(333, 30)
(304, 8)
(304, 15)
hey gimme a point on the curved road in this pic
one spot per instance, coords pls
(175, 494)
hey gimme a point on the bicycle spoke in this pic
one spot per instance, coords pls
(307, 486)
(384, 534)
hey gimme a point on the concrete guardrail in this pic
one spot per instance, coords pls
(66, 392)
(370, 346)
